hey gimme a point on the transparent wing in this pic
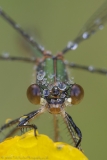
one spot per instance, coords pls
(22, 32)
(95, 23)
(25, 46)
(90, 68)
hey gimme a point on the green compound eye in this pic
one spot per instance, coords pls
(77, 93)
(33, 94)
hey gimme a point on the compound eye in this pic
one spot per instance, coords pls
(77, 93)
(33, 94)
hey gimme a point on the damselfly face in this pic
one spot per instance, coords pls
(57, 23)
(55, 97)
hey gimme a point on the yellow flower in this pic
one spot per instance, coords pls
(41, 147)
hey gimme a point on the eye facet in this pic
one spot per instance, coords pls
(33, 94)
(77, 93)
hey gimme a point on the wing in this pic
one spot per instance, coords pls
(95, 23)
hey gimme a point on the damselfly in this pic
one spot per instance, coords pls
(53, 89)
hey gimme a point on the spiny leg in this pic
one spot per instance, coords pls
(73, 129)
(13, 122)
(17, 128)
(77, 130)
(23, 121)
(31, 115)
(22, 32)
(9, 124)
(94, 24)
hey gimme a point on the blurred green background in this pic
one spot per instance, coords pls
(56, 22)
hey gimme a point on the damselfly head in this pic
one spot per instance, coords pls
(59, 96)
(62, 95)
